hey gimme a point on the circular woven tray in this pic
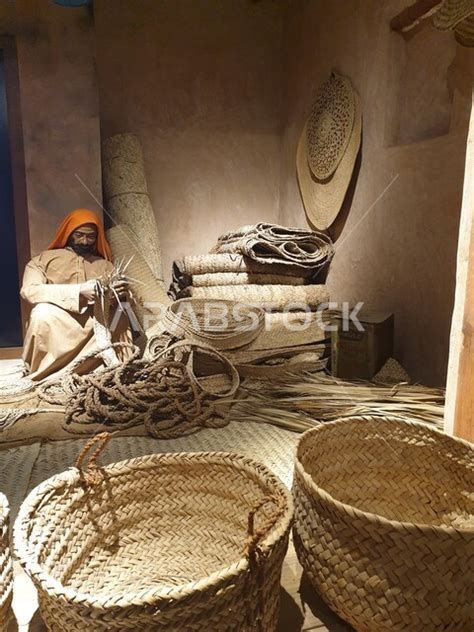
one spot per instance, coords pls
(384, 524)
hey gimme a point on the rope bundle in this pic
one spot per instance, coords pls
(164, 394)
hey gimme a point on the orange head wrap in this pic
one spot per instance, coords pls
(77, 218)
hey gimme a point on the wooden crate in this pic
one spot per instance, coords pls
(361, 354)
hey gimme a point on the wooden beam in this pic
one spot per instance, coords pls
(412, 15)
(459, 415)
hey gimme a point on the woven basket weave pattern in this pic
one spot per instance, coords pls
(156, 545)
(385, 529)
(6, 565)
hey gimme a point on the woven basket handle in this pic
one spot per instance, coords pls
(255, 535)
(91, 470)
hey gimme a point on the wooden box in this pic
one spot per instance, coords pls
(361, 354)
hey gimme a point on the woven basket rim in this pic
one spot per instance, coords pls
(6, 600)
(367, 515)
(4, 509)
(72, 477)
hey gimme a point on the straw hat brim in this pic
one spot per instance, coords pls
(451, 13)
(323, 199)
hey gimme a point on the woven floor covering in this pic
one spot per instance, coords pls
(16, 465)
(22, 468)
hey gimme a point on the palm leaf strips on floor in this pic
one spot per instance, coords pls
(302, 402)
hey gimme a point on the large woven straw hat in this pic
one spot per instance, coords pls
(327, 150)
(457, 15)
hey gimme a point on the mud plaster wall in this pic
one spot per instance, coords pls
(60, 113)
(218, 93)
(396, 250)
(200, 84)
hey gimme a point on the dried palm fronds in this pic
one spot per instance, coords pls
(106, 285)
(300, 402)
(108, 281)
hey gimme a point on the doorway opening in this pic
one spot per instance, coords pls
(10, 312)
(15, 250)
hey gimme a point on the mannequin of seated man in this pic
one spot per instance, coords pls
(60, 284)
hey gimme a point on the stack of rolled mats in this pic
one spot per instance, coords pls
(278, 269)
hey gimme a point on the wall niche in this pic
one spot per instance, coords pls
(424, 98)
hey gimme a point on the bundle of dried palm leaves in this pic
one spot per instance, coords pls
(116, 276)
(301, 403)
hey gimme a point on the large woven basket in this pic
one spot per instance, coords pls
(6, 565)
(384, 524)
(169, 542)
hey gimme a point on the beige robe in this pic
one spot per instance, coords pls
(60, 328)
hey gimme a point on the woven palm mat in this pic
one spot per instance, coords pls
(264, 443)
(16, 465)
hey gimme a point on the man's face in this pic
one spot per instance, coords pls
(83, 240)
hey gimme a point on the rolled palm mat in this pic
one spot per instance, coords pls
(212, 279)
(241, 356)
(278, 244)
(245, 278)
(126, 195)
(300, 364)
(185, 269)
(279, 363)
(290, 329)
(148, 293)
(276, 297)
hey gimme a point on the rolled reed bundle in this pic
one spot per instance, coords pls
(245, 278)
(277, 297)
(149, 294)
(184, 269)
(239, 356)
(123, 167)
(290, 329)
(126, 195)
(136, 211)
(292, 367)
(213, 279)
(272, 243)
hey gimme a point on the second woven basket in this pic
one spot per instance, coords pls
(384, 524)
(170, 542)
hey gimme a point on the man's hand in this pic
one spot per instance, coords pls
(87, 291)
(120, 287)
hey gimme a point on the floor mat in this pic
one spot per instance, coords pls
(16, 465)
(270, 445)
